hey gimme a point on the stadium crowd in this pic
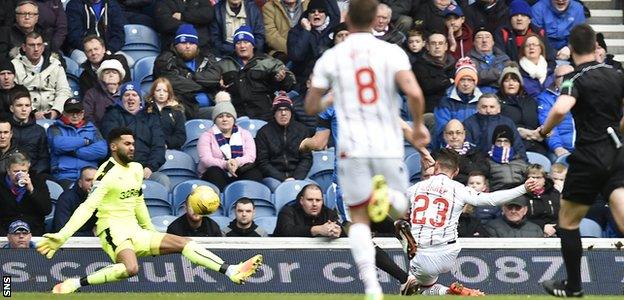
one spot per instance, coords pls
(221, 84)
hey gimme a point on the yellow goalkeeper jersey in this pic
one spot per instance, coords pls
(118, 197)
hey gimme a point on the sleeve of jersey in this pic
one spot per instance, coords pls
(568, 88)
(496, 198)
(84, 212)
(140, 209)
(321, 73)
(400, 61)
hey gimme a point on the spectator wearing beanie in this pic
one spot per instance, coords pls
(250, 78)
(170, 14)
(181, 65)
(510, 37)
(110, 75)
(603, 55)
(277, 145)
(231, 15)
(461, 100)
(8, 87)
(226, 152)
(507, 166)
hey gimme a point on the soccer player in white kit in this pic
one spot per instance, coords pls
(435, 207)
(364, 73)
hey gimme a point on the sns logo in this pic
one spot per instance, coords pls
(6, 286)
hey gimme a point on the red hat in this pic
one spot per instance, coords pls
(465, 67)
(282, 100)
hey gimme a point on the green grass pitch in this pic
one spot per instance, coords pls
(266, 296)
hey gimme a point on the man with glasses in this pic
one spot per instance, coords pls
(43, 75)
(19, 236)
(12, 37)
(74, 144)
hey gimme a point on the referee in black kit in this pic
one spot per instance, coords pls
(594, 93)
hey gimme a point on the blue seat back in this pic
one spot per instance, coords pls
(412, 163)
(143, 69)
(252, 125)
(194, 129)
(183, 189)
(287, 192)
(330, 197)
(563, 159)
(140, 37)
(223, 221)
(537, 158)
(55, 190)
(266, 223)
(322, 161)
(590, 228)
(258, 192)
(161, 222)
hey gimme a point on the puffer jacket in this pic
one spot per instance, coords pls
(32, 141)
(95, 101)
(53, 21)
(505, 176)
(543, 209)
(70, 152)
(149, 139)
(278, 154)
(564, 134)
(218, 33)
(434, 78)
(81, 22)
(499, 227)
(49, 88)
(277, 24)
(252, 86)
(557, 24)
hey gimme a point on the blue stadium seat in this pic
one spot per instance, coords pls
(55, 190)
(258, 192)
(140, 37)
(412, 163)
(266, 223)
(194, 128)
(138, 54)
(183, 189)
(563, 159)
(330, 197)
(179, 166)
(322, 169)
(74, 86)
(590, 228)
(156, 198)
(72, 73)
(162, 222)
(536, 158)
(287, 192)
(48, 221)
(143, 70)
(252, 125)
(223, 221)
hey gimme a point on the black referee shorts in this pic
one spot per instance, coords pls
(593, 169)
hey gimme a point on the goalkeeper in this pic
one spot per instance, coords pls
(124, 226)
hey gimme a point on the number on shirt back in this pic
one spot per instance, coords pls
(421, 204)
(366, 85)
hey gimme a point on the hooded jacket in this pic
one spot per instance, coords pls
(49, 88)
(557, 24)
(73, 148)
(82, 21)
(33, 141)
(464, 42)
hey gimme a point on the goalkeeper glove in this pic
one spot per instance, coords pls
(50, 242)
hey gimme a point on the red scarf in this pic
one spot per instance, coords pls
(66, 121)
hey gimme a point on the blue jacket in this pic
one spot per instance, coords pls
(217, 28)
(480, 128)
(66, 204)
(532, 86)
(70, 151)
(557, 24)
(149, 148)
(110, 26)
(452, 107)
(489, 70)
(564, 134)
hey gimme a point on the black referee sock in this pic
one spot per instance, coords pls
(572, 250)
(384, 262)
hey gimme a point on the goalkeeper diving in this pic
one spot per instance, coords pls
(124, 225)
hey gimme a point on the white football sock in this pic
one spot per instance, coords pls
(363, 253)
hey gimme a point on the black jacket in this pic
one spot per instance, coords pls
(499, 227)
(473, 160)
(292, 221)
(522, 109)
(478, 15)
(65, 206)
(253, 231)
(181, 227)
(199, 13)
(32, 209)
(172, 120)
(434, 78)
(277, 149)
(543, 209)
(33, 141)
(88, 77)
(430, 18)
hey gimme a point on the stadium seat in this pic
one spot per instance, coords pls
(162, 222)
(55, 190)
(266, 223)
(287, 192)
(322, 169)
(195, 128)
(252, 125)
(258, 192)
(48, 221)
(330, 197)
(183, 189)
(179, 166)
(156, 198)
(140, 37)
(223, 221)
(412, 163)
(536, 158)
(590, 228)
(143, 72)
(72, 73)
(136, 55)
(563, 159)
(74, 86)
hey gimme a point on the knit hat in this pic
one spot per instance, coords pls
(282, 100)
(520, 7)
(502, 131)
(243, 33)
(131, 86)
(222, 96)
(511, 67)
(6, 65)
(453, 10)
(223, 107)
(465, 67)
(338, 28)
(599, 38)
(186, 33)
(73, 105)
(316, 4)
(111, 64)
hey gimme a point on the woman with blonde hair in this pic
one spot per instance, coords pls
(163, 102)
(537, 72)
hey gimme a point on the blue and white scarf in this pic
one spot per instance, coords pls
(234, 148)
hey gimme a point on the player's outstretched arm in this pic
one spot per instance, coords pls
(314, 101)
(317, 142)
(495, 198)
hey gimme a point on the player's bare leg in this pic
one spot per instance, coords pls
(199, 255)
(570, 216)
(363, 250)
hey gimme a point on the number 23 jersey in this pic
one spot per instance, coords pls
(361, 72)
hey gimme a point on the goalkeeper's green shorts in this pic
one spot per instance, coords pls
(123, 236)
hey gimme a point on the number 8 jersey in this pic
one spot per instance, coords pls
(361, 72)
(437, 203)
